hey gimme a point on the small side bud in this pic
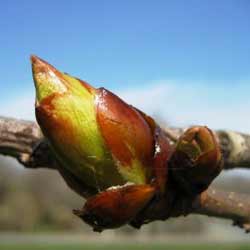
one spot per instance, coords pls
(196, 160)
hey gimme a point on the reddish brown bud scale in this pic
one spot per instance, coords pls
(162, 152)
(150, 121)
(115, 207)
(161, 156)
(126, 133)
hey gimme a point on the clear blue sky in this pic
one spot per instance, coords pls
(127, 44)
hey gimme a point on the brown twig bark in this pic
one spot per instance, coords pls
(227, 205)
(23, 140)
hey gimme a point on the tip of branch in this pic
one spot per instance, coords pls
(243, 225)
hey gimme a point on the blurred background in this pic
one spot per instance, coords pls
(183, 62)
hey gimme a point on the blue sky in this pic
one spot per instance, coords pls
(187, 60)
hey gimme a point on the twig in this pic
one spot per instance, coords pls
(228, 205)
(19, 138)
(24, 141)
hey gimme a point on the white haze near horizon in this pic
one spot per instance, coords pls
(170, 102)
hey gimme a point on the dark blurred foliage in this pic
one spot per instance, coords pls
(35, 199)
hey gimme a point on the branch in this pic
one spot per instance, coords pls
(215, 203)
(236, 149)
(23, 140)
(228, 205)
